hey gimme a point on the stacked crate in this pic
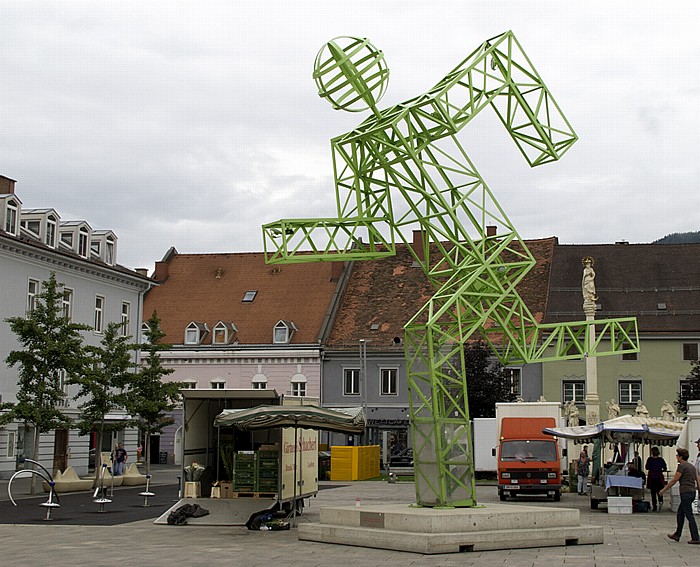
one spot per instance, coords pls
(268, 467)
(244, 471)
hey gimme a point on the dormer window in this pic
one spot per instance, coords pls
(283, 332)
(83, 242)
(50, 239)
(11, 214)
(109, 251)
(223, 333)
(67, 239)
(195, 333)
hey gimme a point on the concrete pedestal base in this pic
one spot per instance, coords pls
(429, 530)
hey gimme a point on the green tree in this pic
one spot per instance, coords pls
(487, 381)
(691, 390)
(147, 397)
(52, 352)
(110, 370)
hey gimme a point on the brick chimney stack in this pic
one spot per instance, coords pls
(419, 244)
(7, 185)
(491, 230)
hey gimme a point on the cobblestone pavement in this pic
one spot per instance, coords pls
(637, 539)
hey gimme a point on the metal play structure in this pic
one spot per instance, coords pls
(408, 157)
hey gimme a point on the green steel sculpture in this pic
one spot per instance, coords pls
(410, 153)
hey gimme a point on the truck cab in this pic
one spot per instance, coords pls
(528, 460)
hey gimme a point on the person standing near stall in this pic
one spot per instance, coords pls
(687, 478)
(583, 469)
(656, 466)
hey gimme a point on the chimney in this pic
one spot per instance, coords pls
(161, 272)
(419, 244)
(491, 230)
(142, 272)
(7, 185)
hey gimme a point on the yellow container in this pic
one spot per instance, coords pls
(354, 463)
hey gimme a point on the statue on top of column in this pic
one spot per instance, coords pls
(588, 281)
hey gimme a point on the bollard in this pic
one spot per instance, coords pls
(147, 493)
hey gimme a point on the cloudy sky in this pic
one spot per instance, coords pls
(191, 123)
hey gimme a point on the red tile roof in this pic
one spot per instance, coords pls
(382, 295)
(208, 288)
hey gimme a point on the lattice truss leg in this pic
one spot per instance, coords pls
(409, 154)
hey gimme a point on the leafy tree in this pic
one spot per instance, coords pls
(52, 349)
(487, 381)
(147, 397)
(692, 389)
(110, 370)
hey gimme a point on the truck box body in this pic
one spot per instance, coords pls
(528, 460)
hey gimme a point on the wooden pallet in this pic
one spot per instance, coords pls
(253, 494)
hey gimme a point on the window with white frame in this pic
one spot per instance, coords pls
(11, 217)
(388, 378)
(195, 332)
(189, 385)
(145, 329)
(99, 313)
(223, 333)
(126, 317)
(299, 385)
(218, 384)
(259, 382)
(67, 303)
(351, 381)
(512, 376)
(32, 292)
(283, 332)
(573, 391)
(50, 239)
(83, 243)
(630, 391)
(690, 351)
(109, 251)
(249, 296)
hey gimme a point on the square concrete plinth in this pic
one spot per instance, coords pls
(429, 530)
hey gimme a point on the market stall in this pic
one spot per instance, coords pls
(624, 434)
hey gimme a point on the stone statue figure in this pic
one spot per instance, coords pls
(668, 412)
(641, 410)
(613, 408)
(572, 414)
(588, 281)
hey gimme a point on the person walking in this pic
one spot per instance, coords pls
(687, 478)
(120, 457)
(656, 467)
(583, 469)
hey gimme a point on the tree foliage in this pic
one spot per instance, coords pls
(109, 371)
(52, 352)
(691, 390)
(146, 396)
(487, 381)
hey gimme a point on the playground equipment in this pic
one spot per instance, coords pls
(45, 475)
(410, 152)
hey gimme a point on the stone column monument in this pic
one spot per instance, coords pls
(589, 308)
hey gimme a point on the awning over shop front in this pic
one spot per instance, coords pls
(341, 420)
(623, 429)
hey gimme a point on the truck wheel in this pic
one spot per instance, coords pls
(594, 504)
(502, 495)
(557, 496)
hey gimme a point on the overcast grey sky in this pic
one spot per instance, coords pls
(191, 123)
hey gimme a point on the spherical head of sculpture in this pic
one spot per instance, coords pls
(351, 73)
